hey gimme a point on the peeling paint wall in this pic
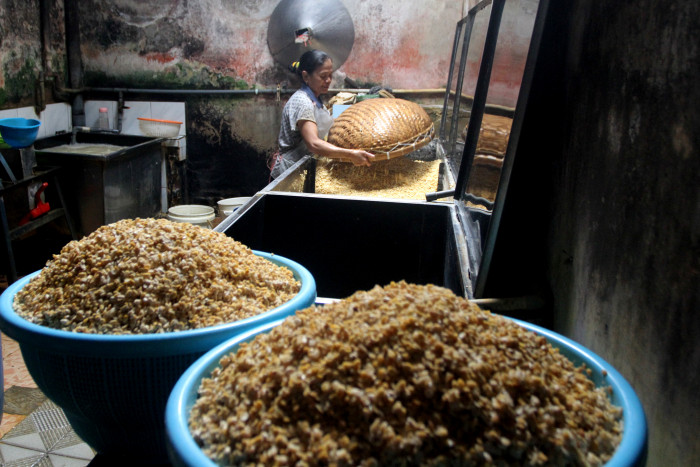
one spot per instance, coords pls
(224, 44)
(403, 44)
(21, 57)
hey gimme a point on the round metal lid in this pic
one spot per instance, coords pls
(300, 25)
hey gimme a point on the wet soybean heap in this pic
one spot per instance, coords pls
(140, 276)
(402, 375)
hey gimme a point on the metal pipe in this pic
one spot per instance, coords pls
(75, 67)
(241, 91)
(191, 91)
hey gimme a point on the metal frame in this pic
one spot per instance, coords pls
(466, 24)
(480, 254)
(507, 169)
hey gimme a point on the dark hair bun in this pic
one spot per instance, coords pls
(294, 67)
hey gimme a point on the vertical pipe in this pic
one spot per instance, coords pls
(44, 25)
(75, 65)
(164, 179)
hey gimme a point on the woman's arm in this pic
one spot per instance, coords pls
(309, 132)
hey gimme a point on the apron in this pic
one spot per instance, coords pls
(324, 120)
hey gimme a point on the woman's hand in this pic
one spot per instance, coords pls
(361, 158)
(309, 132)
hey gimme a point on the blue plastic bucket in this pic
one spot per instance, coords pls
(114, 388)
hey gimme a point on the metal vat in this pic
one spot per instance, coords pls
(101, 189)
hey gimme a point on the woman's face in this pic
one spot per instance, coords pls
(320, 79)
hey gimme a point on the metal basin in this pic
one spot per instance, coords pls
(104, 188)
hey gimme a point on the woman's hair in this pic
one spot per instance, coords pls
(309, 62)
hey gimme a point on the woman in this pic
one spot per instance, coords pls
(305, 121)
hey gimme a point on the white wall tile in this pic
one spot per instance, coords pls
(169, 111)
(9, 113)
(56, 118)
(136, 109)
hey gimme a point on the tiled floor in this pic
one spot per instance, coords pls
(34, 430)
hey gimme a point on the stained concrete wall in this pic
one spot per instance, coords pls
(22, 57)
(603, 211)
(209, 44)
(402, 44)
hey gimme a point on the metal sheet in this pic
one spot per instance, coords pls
(352, 244)
(329, 21)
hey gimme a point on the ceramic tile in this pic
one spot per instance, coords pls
(170, 111)
(78, 451)
(47, 430)
(72, 442)
(22, 401)
(29, 441)
(136, 109)
(49, 417)
(56, 118)
(9, 422)
(11, 455)
(9, 113)
(63, 461)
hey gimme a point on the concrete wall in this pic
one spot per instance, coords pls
(397, 43)
(21, 57)
(210, 44)
(603, 214)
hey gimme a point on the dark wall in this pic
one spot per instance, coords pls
(603, 213)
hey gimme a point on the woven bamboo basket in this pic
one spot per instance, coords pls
(493, 135)
(387, 128)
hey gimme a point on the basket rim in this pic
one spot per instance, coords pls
(158, 120)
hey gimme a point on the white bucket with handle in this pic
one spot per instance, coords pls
(196, 214)
(228, 205)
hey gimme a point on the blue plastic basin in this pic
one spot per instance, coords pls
(19, 132)
(114, 388)
(184, 451)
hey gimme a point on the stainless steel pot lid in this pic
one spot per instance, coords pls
(300, 25)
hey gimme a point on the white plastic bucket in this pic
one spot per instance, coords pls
(228, 205)
(192, 214)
